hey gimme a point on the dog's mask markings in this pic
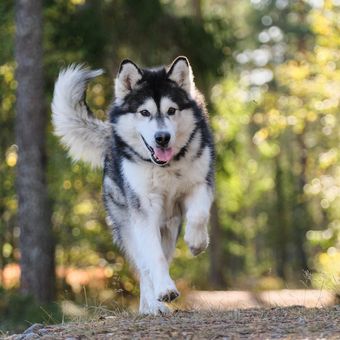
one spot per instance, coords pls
(181, 73)
(154, 121)
(156, 130)
(160, 121)
(155, 137)
(148, 105)
(128, 76)
(165, 104)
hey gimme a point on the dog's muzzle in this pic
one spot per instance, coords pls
(160, 155)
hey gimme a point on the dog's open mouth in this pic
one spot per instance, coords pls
(160, 156)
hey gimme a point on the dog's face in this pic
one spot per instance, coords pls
(155, 115)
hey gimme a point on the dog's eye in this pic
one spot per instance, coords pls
(145, 113)
(171, 111)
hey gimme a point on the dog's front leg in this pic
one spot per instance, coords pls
(142, 241)
(197, 205)
(148, 301)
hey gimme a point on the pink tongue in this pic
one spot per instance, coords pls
(164, 155)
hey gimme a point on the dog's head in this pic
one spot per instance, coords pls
(154, 108)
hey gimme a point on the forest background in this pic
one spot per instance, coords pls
(270, 72)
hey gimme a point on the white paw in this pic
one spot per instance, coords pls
(197, 239)
(154, 308)
(166, 292)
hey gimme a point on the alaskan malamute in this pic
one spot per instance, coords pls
(157, 152)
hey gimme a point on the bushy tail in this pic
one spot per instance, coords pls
(85, 136)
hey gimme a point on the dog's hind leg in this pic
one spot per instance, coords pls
(169, 236)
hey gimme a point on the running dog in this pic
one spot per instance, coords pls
(157, 153)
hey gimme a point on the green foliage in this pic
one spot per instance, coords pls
(270, 73)
(293, 129)
(8, 154)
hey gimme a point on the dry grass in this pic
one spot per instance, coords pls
(256, 323)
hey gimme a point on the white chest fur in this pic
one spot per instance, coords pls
(165, 185)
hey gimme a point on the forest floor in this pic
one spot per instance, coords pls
(206, 319)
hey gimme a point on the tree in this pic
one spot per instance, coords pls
(36, 241)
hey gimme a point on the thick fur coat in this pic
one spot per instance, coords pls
(157, 153)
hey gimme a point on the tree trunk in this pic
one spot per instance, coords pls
(281, 222)
(197, 9)
(215, 251)
(36, 240)
(300, 213)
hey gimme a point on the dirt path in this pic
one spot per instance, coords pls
(254, 323)
(246, 299)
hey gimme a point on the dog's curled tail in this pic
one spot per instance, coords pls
(85, 136)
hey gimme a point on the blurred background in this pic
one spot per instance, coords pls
(269, 70)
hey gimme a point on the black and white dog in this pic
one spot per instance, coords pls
(158, 157)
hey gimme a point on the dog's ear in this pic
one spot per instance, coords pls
(128, 76)
(180, 72)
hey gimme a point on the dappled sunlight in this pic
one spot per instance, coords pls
(270, 72)
(10, 276)
(93, 279)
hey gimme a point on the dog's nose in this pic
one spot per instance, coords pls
(162, 138)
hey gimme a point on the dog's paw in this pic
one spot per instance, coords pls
(166, 292)
(197, 239)
(154, 308)
(168, 295)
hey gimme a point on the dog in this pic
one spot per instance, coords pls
(156, 149)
